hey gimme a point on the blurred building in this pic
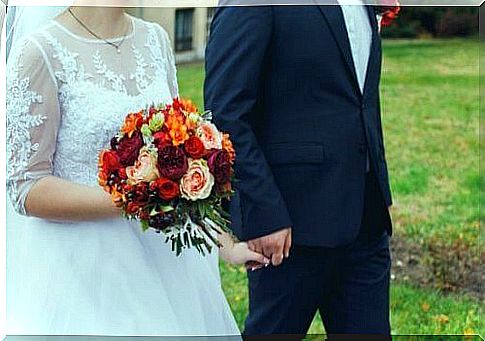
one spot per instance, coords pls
(187, 27)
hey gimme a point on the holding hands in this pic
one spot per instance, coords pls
(257, 253)
(275, 246)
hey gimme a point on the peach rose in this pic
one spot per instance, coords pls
(145, 168)
(197, 183)
(210, 136)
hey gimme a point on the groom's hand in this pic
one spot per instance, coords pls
(275, 246)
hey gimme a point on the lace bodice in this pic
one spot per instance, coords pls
(67, 97)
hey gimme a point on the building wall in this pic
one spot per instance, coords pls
(166, 18)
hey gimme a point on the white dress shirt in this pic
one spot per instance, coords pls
(359, 32)
(360, 37)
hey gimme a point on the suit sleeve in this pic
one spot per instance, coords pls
(235, 60)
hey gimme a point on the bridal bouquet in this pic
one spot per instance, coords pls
(170, 168)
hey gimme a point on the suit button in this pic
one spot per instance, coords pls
(363, 106)
(362, 149)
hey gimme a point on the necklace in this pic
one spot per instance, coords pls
(116, 46)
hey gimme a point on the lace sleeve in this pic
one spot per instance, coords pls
(32, 120)
(171, 68)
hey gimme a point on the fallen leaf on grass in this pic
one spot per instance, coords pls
(425, 306)
(443, 319)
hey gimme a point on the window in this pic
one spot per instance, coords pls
(184, 29)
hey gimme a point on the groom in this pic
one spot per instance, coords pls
(297, 87)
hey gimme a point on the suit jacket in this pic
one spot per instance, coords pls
(281, 81)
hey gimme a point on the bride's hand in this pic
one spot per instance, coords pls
(238, 253)
(241, 254)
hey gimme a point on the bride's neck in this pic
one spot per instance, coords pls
(105, 21)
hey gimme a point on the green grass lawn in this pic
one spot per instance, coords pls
(430, 92)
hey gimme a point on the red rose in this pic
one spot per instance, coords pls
(122, 173)
(128, 148)
(172, 162)
(165, 188)
(109, 161)
(194, 147)
(219, 163)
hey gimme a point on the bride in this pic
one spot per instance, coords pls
(74, 266)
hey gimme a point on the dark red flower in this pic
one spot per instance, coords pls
(194, 147)
(161, 139)
(139, 194)
(128, 148)
(132, 208)
(144, 215)
(165, 188)
(161, 221)
(224, 189)
(172, 162)
(219, 163)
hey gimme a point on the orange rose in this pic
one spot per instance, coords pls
(103, 180)
(227, 146)
(132, 123)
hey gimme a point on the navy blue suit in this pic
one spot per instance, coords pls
(281, 81)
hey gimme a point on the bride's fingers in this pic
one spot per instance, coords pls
(257, 257)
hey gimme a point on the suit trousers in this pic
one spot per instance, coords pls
(347, 285)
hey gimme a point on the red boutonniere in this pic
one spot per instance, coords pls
(388, 11)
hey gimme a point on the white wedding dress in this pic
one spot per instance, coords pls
(66, 97)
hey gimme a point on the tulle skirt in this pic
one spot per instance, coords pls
(108, 278)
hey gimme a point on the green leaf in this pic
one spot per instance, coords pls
(144, 225)
(166, 209)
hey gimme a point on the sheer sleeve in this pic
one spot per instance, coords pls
(33, 119)
(171, 68)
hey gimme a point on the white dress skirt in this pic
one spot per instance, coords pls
(67, 96)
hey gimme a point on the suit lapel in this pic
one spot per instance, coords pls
(335, 19)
